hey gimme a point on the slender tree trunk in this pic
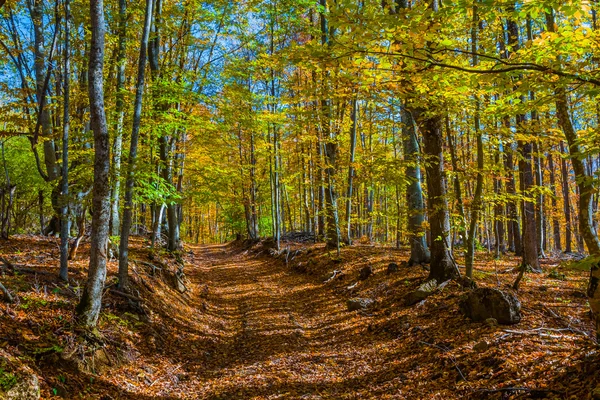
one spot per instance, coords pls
(476, 209)
(555, 221)
(64, 225)
(41, 211)
(498, 208)
(253, 190)
(118, 143)
(88, 309)
(540, 217)
(41, 83)
(353, 129)
(460, 209)
(132, 160)
(566, 192)
(539, 203)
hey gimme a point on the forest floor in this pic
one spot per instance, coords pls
(257, 325)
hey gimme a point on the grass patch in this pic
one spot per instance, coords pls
(7, 380)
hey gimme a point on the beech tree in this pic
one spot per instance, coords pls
(91, 298)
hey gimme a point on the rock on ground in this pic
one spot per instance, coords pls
(365, 272)
(483, 303)
(359, 304)
(481, 347)
(392, 268)
(27, 388)
(424, 291)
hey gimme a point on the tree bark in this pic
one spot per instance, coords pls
(566, 192)
(419, 251)
(64, 226)
(88, 309)
(477, 202)
(442, 266)
(132, 160)
(119, 108)
(554, 203)
(353, 130)
(41, 84)
(529, 242)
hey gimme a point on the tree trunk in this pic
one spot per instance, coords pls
(41, 84)
(88, 309)
(566, 192)
(476, 209)
(555, 221)
(135, 133)
(330, 149)
(118, 143)
(419, 252)
(529, 242)
(442, 266)
(353, 129)
(460, 209)
(64, 226)
(499, 209)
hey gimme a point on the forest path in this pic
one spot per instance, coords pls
(278, 334)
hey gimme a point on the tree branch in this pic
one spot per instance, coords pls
(7, 294)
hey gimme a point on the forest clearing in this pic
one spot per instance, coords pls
(303, 199)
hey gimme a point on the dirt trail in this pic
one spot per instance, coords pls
(281, 335)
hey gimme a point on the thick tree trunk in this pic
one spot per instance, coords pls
(529, 242)
(419, 252)
(586, 190)
(88, 309)
(442, 266)
(530, 249)
(584, 182)
(330, 148)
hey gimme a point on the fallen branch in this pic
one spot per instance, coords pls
(540, 332)
(335, 273)
(8, 264)
(445, 350)
(15, 268)
(519, 389)
(146, 263)
(7, 294)
(34, 271)
(127, 295)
